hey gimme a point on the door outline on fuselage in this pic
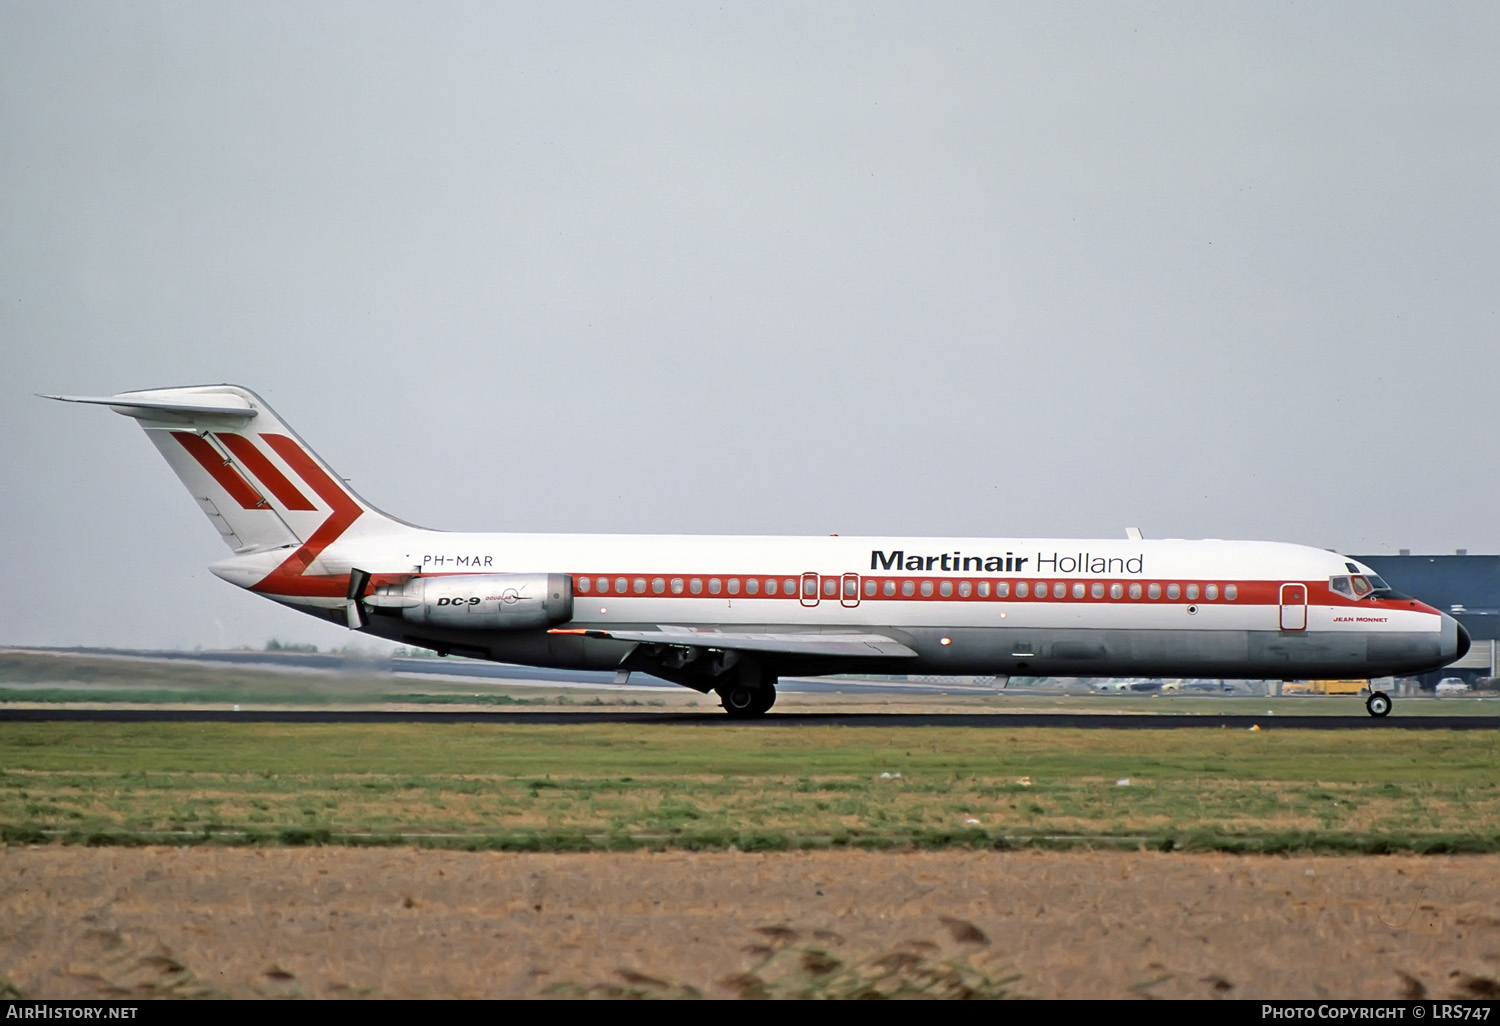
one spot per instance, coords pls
(809, 596)
(849, 598)
(1294, 607)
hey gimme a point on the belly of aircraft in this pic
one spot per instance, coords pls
(1033, 652)
(1185, 653)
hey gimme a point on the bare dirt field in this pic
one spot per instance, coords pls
(409, 923)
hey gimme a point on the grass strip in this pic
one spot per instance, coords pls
(595, 787)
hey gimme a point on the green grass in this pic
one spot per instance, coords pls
(593, 787)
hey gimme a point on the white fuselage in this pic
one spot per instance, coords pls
(964, 605)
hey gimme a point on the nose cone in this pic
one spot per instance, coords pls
(1459, 642)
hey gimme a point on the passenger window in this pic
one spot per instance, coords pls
(1078, 590)
(620, 585)
(1231, 592)
(1173, 591)
(965, 589)
(889, 587)
(1020, 589)
(809, 588)
(908, 588)
(831, 587)
(771, 586)
(639, 586)
(752, 586)
(583, 585)
(945, 589)
(789, 587)
(734, 586)
(1211, 592)
(926, 589)
(1116, 590)
(851, 588)
(1096, 589)
(1135, 591)
(869, 589)
(696, 586)
(1153, 591)
(984, 589)
(1002, 589)
(1041, 590)
(715, 586)
(1192, 592)
(658, 586)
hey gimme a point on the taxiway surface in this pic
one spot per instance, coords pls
(992, 720)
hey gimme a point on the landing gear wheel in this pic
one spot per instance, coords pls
(741, 701)
(1378, 704)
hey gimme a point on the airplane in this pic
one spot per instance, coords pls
(732, 615)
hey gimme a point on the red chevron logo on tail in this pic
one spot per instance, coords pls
(290, 577)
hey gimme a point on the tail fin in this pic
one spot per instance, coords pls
(262, 487)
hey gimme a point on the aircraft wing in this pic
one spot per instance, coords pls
(801, 643)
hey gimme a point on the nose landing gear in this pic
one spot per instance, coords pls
(1378, 704)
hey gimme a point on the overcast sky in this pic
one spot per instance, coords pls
(1216, 270)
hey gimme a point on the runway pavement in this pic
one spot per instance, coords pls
(659, 719)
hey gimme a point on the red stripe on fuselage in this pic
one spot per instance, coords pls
(211, 460)
(244, 450)
(1059, 591)
(287, 579)
(1251, 594)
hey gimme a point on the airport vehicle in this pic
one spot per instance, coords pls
(1177, 687)
(1128, 686)
(1354, 686)
(730, 615)
(1451, 686)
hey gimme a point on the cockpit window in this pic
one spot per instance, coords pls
(1358, 586)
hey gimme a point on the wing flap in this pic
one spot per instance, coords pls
(801, 643)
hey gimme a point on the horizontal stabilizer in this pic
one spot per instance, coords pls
(136, 404)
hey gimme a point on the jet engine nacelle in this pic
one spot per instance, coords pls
(507, 602)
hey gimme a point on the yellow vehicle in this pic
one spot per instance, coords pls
(1326, 687)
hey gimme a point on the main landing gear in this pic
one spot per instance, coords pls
(1378, 704)
(743, 701)
(746, 687)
